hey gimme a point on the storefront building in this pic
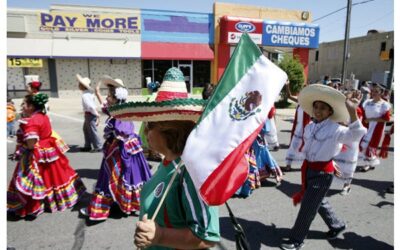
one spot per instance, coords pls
(133, 44)
(276, 31)
(91, 41)
(180, 39)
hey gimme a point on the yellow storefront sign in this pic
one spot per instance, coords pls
(87, 22)
(24, 62)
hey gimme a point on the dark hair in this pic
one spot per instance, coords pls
(174, 132)
(330, 107)
(38, 101)
(207, 91)
(111, 89)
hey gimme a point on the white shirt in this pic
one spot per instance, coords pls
(88, 102)
(324, 140)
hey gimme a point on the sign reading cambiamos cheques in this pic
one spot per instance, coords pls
(87, 22)
(286, 34)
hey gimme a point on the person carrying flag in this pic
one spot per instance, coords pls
(184, 220)
(323, 139)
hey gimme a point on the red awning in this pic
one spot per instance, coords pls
(176, 51)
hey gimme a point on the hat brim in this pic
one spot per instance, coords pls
(81, 81)
(178, 109)
(329, 95)
(107, 80)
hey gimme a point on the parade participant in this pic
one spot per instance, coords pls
(301, 119)
(266, 164)
(323, 140)
(347, 161)
(376, 114)
(152, 88)
(91, 117)
(124, 169)
(184, 220)
(11, 117)
(32, 86)
(43, 178)
(271, 134)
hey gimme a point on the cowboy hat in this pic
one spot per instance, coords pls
(84, 81)
(31, 78)
(329, 95)
(171, 103)
(107, 80)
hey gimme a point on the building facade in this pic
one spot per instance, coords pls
(369, 55)
(135, 44)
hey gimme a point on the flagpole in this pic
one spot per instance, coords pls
(166, 191)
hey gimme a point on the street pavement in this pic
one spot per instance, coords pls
(266, 216)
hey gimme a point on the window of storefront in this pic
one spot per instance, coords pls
(199, 75)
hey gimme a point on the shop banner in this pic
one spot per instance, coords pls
(286, 34)
(81, 22)
(232, 29)
(24, 62)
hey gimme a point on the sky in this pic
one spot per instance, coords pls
(373, 14)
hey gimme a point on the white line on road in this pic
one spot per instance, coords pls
(66, 117)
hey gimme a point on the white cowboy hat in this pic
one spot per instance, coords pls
(107, 80)
(85, 81)
(31, 78)
(329, 95)
(172, 103)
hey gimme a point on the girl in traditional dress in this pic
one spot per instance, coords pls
(347, 161)
(376, 114)
(43, 178)
(124, 168)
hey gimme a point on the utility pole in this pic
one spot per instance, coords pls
(346, 54)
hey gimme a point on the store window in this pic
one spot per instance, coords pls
(201, 73)
(157, 68)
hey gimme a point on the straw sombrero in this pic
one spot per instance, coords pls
(107, 80)
(172, 103)
(329, 95)
(85, 81)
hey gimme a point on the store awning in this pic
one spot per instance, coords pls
(73, 48)
(177, 51)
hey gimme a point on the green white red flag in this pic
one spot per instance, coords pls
(214, 153)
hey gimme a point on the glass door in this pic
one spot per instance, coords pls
(187, 70)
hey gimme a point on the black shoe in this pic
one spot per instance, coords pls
(95, 150)
(334, 233)
(84, 149)
(291, 245)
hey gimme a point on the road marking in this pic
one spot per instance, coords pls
(67, 117)
(10, 141)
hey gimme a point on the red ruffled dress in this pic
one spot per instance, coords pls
(43, 178)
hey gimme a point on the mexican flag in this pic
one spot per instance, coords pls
(214, 152)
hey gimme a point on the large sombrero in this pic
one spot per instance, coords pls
(329, 95)
(107, 80)
(85, 81)
(172, 103)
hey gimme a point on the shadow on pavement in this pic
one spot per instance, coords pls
(74, 149)
(377, 186)
(288, 188)
(88, 173)
(259, 234)
(354, 241)
(383, 203)
(286, 131)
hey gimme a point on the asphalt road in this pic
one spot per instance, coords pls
(266, 216)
